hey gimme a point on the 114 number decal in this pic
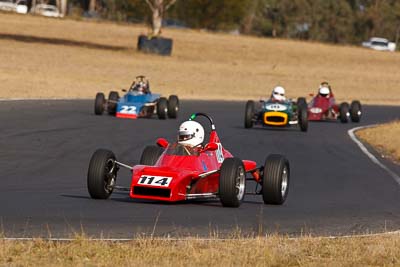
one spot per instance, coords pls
(155, 180)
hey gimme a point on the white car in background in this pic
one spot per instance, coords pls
(20, 6)
(7, 5)
(380, 44)
(47, 11)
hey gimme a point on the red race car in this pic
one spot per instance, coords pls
(324, 107)
(173, 172)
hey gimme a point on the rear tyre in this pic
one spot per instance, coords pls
(232, 182)
(173, 106)
(301, 102)
(99, 104)
(355, 111)
(302, 117)
(150, 155)
(162, 108)
(344, 112)
(249, 114)
(102, 174)
(275, 182)
(113, 98)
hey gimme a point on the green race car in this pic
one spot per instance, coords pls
(277, 113)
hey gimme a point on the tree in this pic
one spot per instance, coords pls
(158, 8)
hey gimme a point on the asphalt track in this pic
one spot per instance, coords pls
(46, 146)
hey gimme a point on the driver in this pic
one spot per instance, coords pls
(190, 134)
(324, 91)
(278, 94)
(141, 87)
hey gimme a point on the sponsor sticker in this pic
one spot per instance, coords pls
(219, 154)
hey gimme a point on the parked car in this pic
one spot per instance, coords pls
(47, 11)
(20, 6)
(380, 44)
(7, 5)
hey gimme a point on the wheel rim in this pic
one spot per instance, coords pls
(284, 183)
(109, 177)
(240, 183)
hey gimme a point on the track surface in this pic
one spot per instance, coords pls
(46, 147)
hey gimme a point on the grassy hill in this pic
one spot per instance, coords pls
(41, 57)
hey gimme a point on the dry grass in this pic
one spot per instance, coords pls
(385, 138)
(101, 56)
(270, 251)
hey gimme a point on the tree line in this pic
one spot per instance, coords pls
(336, 21)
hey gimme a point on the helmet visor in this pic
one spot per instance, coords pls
(277, 94)
(185, 135)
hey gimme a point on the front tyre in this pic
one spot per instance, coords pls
(355, 111)
(113, 98)
(249, 114)
(162, 108)
(102, 174)
(344, 112)
(302, 117)
(173, 106)
(275, 180)
(150, 155)
(301, 102)
(232, 182)
(99, 104)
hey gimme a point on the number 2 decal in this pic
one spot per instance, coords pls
(128, 109)
(155, 180)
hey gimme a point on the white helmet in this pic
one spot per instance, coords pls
(324, 91)
(279, 93)
(191, 133)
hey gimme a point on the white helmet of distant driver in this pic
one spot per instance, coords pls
(279, 93)
(191, 133)
(324, 91)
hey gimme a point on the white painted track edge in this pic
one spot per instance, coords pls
(369, 154)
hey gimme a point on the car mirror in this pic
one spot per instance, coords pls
(162, 142)
(211, 147)
(124, 90)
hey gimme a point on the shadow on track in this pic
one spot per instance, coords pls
(56, 41)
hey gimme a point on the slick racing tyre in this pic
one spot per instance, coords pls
(173, 106)
(102, 174)
(302, 117)
(275, 180)
(232, 182)
(150, 155)
(301, 102)
(249, 114)
(162, 108)
(99, 104)
(113, 98)
(355, 111)
(344, 112)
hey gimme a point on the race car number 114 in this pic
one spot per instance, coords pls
(154, 180)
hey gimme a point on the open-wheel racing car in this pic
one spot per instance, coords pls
(323, 107)
(173, 172)
(137, 102)
(276, 113)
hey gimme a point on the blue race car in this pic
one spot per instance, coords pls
(138, 102)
